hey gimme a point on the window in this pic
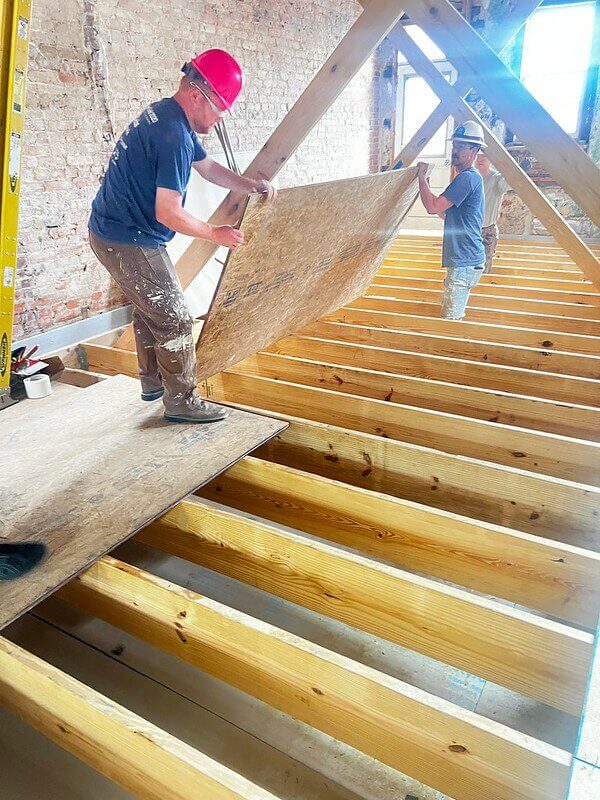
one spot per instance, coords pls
(554, 60)
(416, 100)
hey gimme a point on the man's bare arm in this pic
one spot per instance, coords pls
(216, 173)
(169, 211)
(433, 204)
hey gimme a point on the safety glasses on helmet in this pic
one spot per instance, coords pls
(210, 102)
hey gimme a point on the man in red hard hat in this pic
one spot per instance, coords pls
(139, 208)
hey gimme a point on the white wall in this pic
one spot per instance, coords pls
(202, 199)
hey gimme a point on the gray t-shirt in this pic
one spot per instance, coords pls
(494, 189)
(462, 245)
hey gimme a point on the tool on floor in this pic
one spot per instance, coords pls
(21, 360)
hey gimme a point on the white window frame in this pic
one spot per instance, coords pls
(405, 71)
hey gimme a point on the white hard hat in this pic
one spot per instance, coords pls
(470, 132)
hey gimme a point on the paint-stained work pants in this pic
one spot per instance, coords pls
(490, 243)
(161, 319)
(457, 284)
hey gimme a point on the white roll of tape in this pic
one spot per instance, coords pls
(38, 386)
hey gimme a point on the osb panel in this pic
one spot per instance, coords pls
(313, 250)
(84, 470)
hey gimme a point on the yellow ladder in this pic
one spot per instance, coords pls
(15, 24)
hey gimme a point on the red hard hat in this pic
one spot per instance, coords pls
(222, 73)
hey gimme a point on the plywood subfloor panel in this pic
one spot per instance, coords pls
(313, 250)
(93, 466)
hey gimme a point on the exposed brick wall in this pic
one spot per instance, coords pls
(95, 64)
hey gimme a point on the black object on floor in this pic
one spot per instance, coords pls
(17, 559)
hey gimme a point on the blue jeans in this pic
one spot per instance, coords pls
(457, 284)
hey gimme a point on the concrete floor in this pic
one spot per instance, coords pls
(286, 757)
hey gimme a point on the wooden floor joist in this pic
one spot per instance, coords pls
(507, 276)
(413, 287)
(516, 380)
(491, 405)
(514, 318)
(506, 258)
(526, 243)
(577, 364)
(518, 334)
(520, 651)
(411, 245)
(547, 576)
(549, 454)
(496, 301)
(441, 744)
(130, 751)
(558, 509)
(524, 263)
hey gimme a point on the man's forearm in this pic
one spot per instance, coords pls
(180, 221)
(228, 179)
(427, 196)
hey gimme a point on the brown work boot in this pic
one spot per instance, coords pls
(196, 410)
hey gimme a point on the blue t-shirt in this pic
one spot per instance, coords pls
(156, 151)
(462, 243)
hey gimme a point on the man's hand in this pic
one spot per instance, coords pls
(422, 168)
(266, 188)
(227, 236)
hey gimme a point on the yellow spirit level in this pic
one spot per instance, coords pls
(15, 24)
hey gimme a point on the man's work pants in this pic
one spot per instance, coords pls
(490, 243)
(161, 319)
(457, 284)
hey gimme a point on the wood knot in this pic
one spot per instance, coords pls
(458, 748)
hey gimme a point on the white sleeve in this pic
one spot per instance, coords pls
(503, 186)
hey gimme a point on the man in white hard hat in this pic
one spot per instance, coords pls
(461, 207)
(494, 189)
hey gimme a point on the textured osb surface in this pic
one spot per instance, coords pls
(312, 251)
(83, 493)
